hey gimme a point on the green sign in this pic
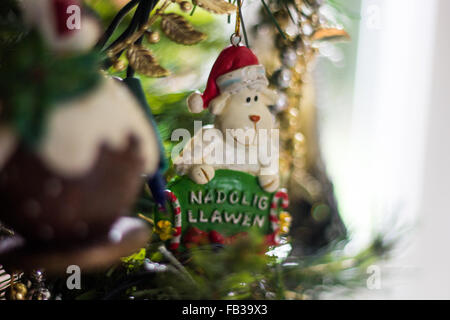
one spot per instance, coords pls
(231, 203)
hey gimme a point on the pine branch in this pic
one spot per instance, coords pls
(144, 14)
(115, 23)
(274, 20)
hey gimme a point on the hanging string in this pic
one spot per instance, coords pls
(236, 36)
(237, 29)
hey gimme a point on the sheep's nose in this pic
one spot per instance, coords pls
(254, 118)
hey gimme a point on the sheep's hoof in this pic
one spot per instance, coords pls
(202, 174)
(269, 183)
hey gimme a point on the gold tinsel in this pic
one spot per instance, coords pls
(299, 150)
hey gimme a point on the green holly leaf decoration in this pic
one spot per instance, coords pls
(135, 260)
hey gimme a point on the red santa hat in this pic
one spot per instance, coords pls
(235, 68)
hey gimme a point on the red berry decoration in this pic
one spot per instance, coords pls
(216, 237)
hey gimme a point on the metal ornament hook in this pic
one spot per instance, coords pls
(235, 39)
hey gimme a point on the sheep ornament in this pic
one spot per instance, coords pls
(243, 137)
(228, 172)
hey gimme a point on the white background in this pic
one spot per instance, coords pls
(386, 142)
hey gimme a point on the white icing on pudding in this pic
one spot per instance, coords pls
(76, 130)
(108, 115)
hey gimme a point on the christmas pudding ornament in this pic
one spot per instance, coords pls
(84, 173)
(75, 149)
(229, 177)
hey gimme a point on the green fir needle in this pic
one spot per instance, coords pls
(193, 9)
(273, 19)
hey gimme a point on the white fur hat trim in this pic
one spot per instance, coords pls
(254, 75)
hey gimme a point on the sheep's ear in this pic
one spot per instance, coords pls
(270, 96)
(217, 104)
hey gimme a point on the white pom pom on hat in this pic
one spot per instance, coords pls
(195, 102)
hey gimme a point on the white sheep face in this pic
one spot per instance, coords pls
(246, 110)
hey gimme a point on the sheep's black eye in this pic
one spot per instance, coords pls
(249, 99)
(256, 98)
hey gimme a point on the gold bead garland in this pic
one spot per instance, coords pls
(299, 152)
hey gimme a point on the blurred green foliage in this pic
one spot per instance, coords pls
(236, 272)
